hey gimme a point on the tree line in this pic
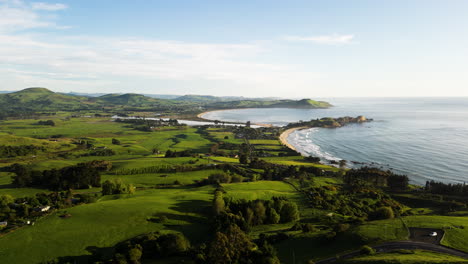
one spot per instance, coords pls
(446, 188)
(80, 176)
(14, 151)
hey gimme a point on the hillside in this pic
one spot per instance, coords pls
(304, 103)
(41, 99)
(127, 99)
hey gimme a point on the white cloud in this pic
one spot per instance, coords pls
(15, 15)
(57, 61)
(13, 19)
(48, 7)
(334, 39)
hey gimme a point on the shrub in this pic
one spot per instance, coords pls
(306, 228)
(289, 213)
(367, 250)
(384, 213)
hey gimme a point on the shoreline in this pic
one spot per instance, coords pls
(219, 110)
(200, 115)
(284, 136)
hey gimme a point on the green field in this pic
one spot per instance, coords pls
(107, 222)
(178, 196)
(260, 190)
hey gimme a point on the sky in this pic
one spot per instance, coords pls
(293, 49)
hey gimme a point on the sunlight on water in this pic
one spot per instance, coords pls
(425, 138)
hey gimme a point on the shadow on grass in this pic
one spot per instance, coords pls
(194, 218)
(300, 249)
(96, 254)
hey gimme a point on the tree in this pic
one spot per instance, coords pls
(384, 213)
(259, 212)
(398, 182)
(289, 212)
(172, 244)
(367, 250)
(273, 216)
(6, 199)
(218, 203)
(243, 159)
(115, 141)
(116, 186)
(230, 247)
(135, 253)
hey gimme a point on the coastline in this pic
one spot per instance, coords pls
(219, 110)
(200, 115)
(284, 136)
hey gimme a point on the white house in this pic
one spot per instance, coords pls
(3, 224)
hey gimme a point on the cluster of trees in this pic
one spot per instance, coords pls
(147, 125)
(359, 203)
(446, 188)
(116, 186)
(101, 152)
(217, 178)
(100, 165)
(16, 211)
(368, 176)
(79, 176)
(46, 123)
(177, 154)
(151, 246)
(255, 133)
(14, 151)
(329, 122)
(246, 214)
(232, 245)
(280, 172)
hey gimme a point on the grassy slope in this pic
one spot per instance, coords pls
(108, 222)
(456, 229)
(260, 190)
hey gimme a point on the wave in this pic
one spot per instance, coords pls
(302, 141)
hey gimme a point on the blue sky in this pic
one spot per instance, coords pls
(251, 48)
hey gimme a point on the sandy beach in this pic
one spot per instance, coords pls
(284, 136)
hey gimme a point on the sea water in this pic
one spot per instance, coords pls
(425, 138)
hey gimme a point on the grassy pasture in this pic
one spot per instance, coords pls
(107, 222)
(456, 229)
(298, 161)
(150, 180)
(7, 188)
(260, 190)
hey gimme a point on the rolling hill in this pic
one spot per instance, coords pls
(41, 99)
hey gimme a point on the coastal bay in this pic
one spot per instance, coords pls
(424, 138)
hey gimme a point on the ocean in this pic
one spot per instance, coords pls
(425, 138)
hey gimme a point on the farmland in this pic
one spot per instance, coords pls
(168, 177)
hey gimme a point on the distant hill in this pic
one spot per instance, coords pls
(210, 98)
(127, 99)
(304, 103)
(41, 99)
(198, 98)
